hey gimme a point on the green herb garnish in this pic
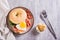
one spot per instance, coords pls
(11, 23)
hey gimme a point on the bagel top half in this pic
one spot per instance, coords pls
(17, 15)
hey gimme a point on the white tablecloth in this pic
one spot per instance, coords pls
(52, 8)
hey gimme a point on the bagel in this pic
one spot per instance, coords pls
(17, 15)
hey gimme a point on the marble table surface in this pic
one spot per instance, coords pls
(52, 8)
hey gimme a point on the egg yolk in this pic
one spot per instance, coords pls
(22, 24)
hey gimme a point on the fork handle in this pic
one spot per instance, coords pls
(49, 26)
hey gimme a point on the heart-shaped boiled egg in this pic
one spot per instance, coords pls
(21, 26)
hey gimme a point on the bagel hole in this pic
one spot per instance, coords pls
(17, 14)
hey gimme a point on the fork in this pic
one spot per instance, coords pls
(43, 16)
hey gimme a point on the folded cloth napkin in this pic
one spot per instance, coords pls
(5, 33)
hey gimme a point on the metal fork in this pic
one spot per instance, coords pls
(43, 16)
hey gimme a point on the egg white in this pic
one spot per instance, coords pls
(19, 28)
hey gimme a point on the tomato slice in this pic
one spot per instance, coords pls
(28, 23)
(15, 30)
(29, 16)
